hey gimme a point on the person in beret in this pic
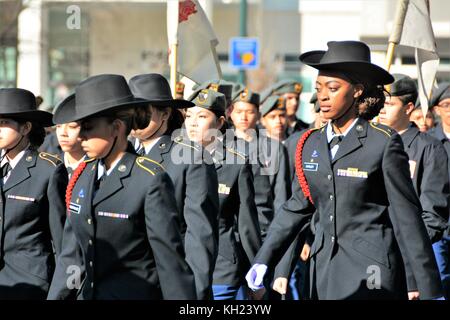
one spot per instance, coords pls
(354, 174)
(194, 178)
(427, 162)
(32, 188)
(122, 237)
(239, 231)
(440, 101)
(273, 117)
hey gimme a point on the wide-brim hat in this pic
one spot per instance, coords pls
(65, 110)
(349, 57)
(99, 95)
(21, 103)
(154, 88)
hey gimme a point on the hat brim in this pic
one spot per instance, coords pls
(65, 110)
(72, 117)
(44, 118)
(174, 103)
(364, 70)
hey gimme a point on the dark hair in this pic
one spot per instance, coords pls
(409, 97)
(175, 121)
(135, 117)
(36, 135)
(371, 101)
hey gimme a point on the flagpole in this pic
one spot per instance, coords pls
(173, 67)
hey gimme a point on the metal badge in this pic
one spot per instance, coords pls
(122, 168)
(162, 145)
(29, 158)
(359, 128)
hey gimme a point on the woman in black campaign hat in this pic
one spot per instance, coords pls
(356, 174)
(122, 237)
(32, 196)
(194, 178)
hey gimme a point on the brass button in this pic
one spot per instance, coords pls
(91, 263)
(89, 221)
(90, 242)
(331, 197)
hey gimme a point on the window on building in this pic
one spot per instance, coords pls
(9, 11)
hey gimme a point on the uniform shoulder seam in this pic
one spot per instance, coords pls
(380, 129)
(141, 162)
(52, 158)
(236, 153)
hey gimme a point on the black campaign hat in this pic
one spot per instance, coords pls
(65, 110)
(350, 57)
(21, 103)
(154, 88)
(98, 94)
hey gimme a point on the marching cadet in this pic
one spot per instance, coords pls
(236, 194)
(67, 134)
(222, 86)
(122, 237)
(273, 117)
(195, 179)
(355, 173)
(290, 90)
(427, 162)
(32, 196)
(440, 101)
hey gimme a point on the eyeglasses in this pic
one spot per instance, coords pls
(444, 105)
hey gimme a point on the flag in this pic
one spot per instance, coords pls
(189, 27)
(416, 31)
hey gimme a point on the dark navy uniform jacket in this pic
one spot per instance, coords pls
(125, 240)
(237, 212)
(195, 180)
(31, 203)
(51, 145)
(362, 196)
(438, 133)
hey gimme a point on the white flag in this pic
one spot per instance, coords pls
(418, 33)
(188, 25)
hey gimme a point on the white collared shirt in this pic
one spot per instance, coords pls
(331, 135)
(12, 162)
(102, 169)
(137, 145)
(74, 165)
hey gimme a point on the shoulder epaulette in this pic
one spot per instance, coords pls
(180, 139)
(149, 165)
(387, 131)
(89, 160)
(233, 151)
(52, 158)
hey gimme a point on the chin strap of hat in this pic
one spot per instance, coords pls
(299, 165)
(153, 134)
(8, 150)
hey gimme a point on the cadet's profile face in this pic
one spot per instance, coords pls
(10, 133)
(202, 125)
(68, 136)
(97, 136)
(423, 124)
(443, 110)
(275, 123)
(291, 103)
(159, 116)
(244, 115)
(393, 112)
(335, 94)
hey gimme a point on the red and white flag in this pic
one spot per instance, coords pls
(189, 28)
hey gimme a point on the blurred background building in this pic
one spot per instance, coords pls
(45, 49)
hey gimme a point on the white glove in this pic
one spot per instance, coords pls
(255, 276)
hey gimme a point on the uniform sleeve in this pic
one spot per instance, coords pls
(263, 199)
(201, 213)
(248, 224)
(434, 191)
(164, 235)
(56, 191)
(69, 272)
(286, 225)
(414, 242)
(282, 180)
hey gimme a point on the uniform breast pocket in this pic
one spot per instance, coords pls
(37, 266)
(369, 249)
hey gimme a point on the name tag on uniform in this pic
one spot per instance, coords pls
(74, 208)
(352, 173)
(21, 198)
(113, 215)
(310, 166)
(223, 189)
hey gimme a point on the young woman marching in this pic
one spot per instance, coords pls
(32, 196)
(122, 237)
(356, 174)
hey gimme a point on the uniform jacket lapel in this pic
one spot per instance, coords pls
(409, 135)
(352, 141)
(114, 181)
(323, 148)
(22, 170)
(160, 149)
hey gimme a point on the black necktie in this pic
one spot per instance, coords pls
(5, 169)
(69, 171)
(141, 150)
(336, 140)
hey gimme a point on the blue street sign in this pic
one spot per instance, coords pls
(244, 53)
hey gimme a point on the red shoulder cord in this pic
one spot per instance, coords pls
(299, 165)
(76, 174)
